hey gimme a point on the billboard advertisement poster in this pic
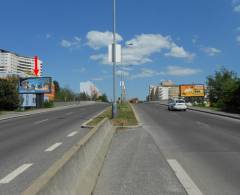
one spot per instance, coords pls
(28, 100)
(35, 85)
(192, 90)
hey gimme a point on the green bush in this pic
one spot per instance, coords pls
(224, 90)
(9, 97)
(48, 104)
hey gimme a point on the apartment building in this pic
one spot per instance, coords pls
(14, 64)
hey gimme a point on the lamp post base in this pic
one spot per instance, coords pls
(114, 110)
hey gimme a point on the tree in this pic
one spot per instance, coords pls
(103, 98)
(9, 97)
(56, 86)
(224, 89)
(83, 96)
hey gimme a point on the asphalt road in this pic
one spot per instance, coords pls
(205, 146)
(30, 145)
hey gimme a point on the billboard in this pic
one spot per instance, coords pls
(28, 100)
(192, 90)
(35, 85)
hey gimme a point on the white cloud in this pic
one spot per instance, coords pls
(145, 73)
(140, 49)
(181, 71)
(211, 51)
(48, 36)
(179, 52)
(97, 79)
(74, 43)
(237, 8)
(97, 39)
(79, 70)
(238, 39)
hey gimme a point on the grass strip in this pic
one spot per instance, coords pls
(125, 116)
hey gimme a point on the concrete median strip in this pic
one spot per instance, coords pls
(77, 171)
(137, 118)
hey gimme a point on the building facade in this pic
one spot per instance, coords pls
(163, 91)
(14, 64)
(89, 89)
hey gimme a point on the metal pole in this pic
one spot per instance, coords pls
(114, 106)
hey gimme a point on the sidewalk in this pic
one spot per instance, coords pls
(220, 113)
(135, 166)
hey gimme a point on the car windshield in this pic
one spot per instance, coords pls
(180, 101)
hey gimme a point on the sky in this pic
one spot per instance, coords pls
(183, 41)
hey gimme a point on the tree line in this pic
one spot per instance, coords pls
(10, 99)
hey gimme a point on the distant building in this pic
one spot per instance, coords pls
(14, 64)
(163, 91)
(90, 89)
(173, 92)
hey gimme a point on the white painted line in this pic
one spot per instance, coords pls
(53, 147)
(42, 121)
(15, 173)
(69, 113)
(183, 177)
(72, 134)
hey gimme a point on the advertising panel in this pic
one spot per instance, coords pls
(192, 90)
(35, 85)
(28, 100)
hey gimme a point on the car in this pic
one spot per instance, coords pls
(177, 104)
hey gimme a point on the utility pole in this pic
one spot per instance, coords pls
(114, 106)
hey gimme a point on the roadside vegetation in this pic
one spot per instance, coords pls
(10, 100)
(125, 117)
(9, 97)
(224, 91)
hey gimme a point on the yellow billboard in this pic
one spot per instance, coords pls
(192, 90)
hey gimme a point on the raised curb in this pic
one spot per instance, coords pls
(215, 113)
(84, 125)
(211, 112)
(137, 117)
(77, 171)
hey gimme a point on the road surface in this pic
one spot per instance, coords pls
(30, 145)
(204, 146)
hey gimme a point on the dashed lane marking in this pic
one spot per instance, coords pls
(72, 134)
(53, 147)
(42, 121)
(15, 173)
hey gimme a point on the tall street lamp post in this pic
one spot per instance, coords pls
(114, 106)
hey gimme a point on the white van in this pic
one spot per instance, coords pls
(177, 104)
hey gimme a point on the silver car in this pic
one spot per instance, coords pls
(177, 104)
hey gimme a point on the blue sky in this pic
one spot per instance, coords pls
(183, 41)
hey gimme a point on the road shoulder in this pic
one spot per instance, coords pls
(135, 165)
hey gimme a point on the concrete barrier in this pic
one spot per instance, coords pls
(77, 171)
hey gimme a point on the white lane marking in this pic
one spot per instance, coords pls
(15, 173)
(53, 147)
(42, 121)
(183, 177)
(69, 113)
(72, 134)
